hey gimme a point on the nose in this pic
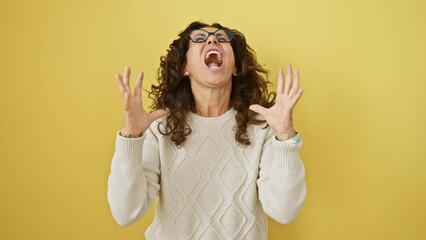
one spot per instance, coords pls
(212, 39)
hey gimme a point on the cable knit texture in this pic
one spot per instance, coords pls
(209, 188)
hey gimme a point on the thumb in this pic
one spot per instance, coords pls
(157, 114)
(258, 109)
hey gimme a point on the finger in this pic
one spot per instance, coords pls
(126, 78)
(296, 98)
(258, 109)
(157, 114)
(295, 86)
(138, 87)
(126, 101)
(287, 85)
(120, 84)
(280, 84)
(126, 75)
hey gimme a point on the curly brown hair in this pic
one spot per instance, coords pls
(249, 86)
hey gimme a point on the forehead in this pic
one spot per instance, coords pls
(209, 29)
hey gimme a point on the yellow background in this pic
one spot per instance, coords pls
(362, 116)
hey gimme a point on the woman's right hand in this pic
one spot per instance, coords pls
(136, 119)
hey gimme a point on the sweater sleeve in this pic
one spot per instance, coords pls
(281, 182)
(133, 183)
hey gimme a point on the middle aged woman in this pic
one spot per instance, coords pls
(219, 151)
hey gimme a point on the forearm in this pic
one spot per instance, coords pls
(131, 186)
(282, 187)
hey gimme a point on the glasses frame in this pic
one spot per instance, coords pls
(228, 32)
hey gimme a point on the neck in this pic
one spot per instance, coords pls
(212, 102)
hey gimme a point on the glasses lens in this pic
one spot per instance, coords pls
(199, 36)
(223, 36)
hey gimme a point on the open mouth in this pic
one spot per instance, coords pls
(213, 59)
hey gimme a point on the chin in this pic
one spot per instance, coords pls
(218, 81)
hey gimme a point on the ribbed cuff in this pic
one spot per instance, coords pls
(287, 154)
(128, 151)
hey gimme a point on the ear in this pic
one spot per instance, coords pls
(186, 73)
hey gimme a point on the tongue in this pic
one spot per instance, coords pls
(213, 61)
(213, 65)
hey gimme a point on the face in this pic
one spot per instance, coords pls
(210, 63)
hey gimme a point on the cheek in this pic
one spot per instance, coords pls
(231, 55)
(232, 59)
(192, 57)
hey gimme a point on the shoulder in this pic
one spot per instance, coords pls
(260, 132)
(158, 127)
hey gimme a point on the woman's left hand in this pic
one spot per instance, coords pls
(279, 116)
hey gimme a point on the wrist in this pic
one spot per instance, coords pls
(130, 134)
(286, 135)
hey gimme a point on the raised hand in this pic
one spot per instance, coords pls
(136, 119)
(280, 116)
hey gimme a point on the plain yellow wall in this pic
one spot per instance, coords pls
(362, 115)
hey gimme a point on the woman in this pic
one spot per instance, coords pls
(219, 151)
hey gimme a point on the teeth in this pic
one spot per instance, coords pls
(214, 52)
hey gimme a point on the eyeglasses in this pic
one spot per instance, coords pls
(201, 35)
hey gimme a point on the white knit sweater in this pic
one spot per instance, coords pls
(209, 188)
